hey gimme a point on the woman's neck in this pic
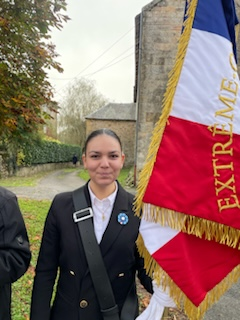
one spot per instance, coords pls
(102, 192)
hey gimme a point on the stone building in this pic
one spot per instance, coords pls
(158, 28)
(121, 118)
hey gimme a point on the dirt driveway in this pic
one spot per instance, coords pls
(228, 307)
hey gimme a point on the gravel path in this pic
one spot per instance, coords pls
(227, 308)
(52, 184)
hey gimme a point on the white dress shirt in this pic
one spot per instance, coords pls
(102, 210)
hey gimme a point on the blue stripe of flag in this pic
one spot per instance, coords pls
(217, 16)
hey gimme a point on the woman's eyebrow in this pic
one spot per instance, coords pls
(99, 152)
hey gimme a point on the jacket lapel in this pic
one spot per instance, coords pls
(114, 227)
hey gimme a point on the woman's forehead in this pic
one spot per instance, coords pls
(103, 141)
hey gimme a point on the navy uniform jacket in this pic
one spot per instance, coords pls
(14, 248)
(61, 247)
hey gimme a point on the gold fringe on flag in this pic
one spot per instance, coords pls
(190, 224)
(181, 300)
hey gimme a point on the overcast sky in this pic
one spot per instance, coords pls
(98, 44)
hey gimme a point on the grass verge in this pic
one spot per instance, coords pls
(34, 214)
(30, 181)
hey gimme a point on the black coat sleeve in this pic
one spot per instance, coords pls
(15, 253)
(145, 280)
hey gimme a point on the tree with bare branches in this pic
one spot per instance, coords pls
(81, 99)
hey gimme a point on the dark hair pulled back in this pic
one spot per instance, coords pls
(99, 132)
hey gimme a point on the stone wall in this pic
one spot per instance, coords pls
(160, 29)
(3, 166)
(28, 171)
(124, 129)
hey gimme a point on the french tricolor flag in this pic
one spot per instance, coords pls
(189, 188)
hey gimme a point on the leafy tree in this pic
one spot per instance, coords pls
(25, 54)
(81, 99)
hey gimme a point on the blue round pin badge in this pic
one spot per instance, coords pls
(123, 218)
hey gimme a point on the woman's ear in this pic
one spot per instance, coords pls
(84, 160)
(123, 159)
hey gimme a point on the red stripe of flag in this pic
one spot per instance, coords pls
(183, 174)
(196, 265)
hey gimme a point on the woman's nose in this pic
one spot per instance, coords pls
(104, 162)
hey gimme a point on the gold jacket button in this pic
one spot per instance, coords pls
(83, 304)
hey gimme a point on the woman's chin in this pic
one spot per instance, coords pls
(105, 181)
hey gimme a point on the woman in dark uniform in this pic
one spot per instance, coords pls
(116, 229)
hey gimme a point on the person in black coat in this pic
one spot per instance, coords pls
(62, 257)
(15, 253)
(74, 160)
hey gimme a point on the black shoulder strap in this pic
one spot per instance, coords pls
(83, 217)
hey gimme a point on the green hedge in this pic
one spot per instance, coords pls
(48, 152)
